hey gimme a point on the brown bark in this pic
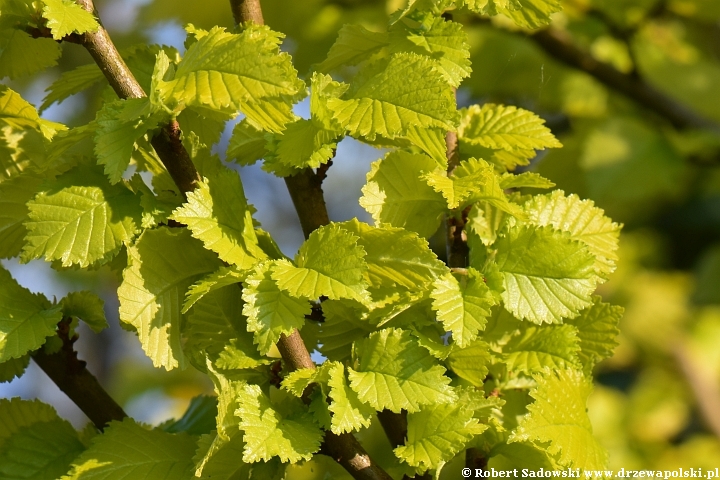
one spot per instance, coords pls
(70, 375)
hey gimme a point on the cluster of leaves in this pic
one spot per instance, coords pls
(496, 356)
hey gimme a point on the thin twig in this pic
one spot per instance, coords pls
(167, 143)
(559, 46)
(458, 254)
(306, 192)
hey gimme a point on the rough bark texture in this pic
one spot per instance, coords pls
(306, 192)
(70, 375)
(247, 11)
(167, 143)
(307, 197)
(348, 452)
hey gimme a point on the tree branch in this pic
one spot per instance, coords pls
(70, 375)
(458, 254)
(247, 10)
(457, 249)
(306, 192)
(63, 367)
(167, 143)
(559, 46)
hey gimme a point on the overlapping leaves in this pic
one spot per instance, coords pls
(161, 266)
(218, 214)
(395, 372)
(226, 71)
(378, 103)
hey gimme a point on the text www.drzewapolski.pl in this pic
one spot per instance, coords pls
(589, 474)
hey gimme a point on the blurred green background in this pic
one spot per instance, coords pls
(657, 401)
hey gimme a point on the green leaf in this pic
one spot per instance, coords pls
(436, 434)
(431, 141)
(304, 143)
(20, 115)
(247, 144)
(378, 102)
(322, 89)
(503, 127)
(583, 221)
(396, 194)
(13, 368)
(552, 346)
(121, 124)
(470, 363)
(228, 392)
(285, 430)
(161, 266)
(395, 372)
(72, 82)
(270, 310)
(472, 181)
(484, 221)
(339, 330)
(463, 304)
(524, 180)
(14, 195)
(16, 414)
(219, 459)
(521, 455)
(396, 257)
(86, 306)
(547, 276)
(127, 450)
(217, 327)
(223, 277)
(444, 42)
(354, 44)
(22, 55)
(198, 419)
(65, 17)
(597, 330)
(22, 150)
(330, 263)
(488, 7)
(26, 319)
(41, 451)
(207, 124)
(559, 417)
(502, 160)
(532, 13)
(218, 214)
(229, 72)
(348, 412)
(297, 381)
(81, 219)
(34, 441)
